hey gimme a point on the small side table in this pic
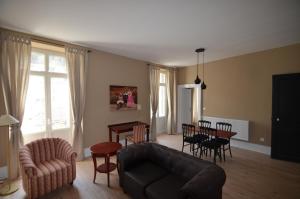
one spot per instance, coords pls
(105, 149)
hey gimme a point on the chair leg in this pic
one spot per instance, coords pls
(182, 146)
(200, 147)
(193, 148)
(126, 142)
(223, 146)
(230, 150)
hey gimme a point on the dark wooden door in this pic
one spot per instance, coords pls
(286, 117)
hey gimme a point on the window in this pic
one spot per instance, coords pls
(47, 107)
(162, 96)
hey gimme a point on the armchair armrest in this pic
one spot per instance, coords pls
(207, 184)
(65, 151)
(26, 162)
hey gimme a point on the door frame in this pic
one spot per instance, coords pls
(179, 102)
(274, 137)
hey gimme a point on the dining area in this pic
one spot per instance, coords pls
(204, 140)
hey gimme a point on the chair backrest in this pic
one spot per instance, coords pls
(204, 126)
(43, 149)
(139, 132)
(204, 123)
(188, 130)
(224, 126)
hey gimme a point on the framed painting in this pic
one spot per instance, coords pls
(123, 98)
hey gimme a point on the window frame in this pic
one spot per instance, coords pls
(47, 75)
(165, 86)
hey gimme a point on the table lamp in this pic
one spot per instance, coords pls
(8, 188)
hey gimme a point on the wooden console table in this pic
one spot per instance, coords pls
(125, 127)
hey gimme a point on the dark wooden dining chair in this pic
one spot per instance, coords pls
(188, 133)
(211, 145)
(201, 135)
(224, 141)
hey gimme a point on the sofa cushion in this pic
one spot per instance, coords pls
(166, 187)
(138, 177)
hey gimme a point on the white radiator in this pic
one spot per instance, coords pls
(239, 126)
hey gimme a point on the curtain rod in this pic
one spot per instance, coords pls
(51, 43)
(42, 39)
(161, 66)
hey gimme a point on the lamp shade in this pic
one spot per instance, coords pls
(7, 120)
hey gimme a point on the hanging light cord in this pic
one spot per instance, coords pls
(203, 66)
(197, 63)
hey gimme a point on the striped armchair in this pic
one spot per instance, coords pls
(138, 135)
(46, 164)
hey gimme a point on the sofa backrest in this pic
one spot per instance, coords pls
(45, 149)
(178, 162)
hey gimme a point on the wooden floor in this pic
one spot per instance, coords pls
(250, 175)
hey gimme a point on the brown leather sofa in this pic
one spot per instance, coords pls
(154, 171)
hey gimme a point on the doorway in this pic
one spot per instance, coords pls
(285, 117)
(185, 104)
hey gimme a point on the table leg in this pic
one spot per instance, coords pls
(107, 166)
(95, 167)
(117, 138)
(110, 135)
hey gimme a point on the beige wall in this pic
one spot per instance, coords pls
(107, 69)
(104, 69)
(241, 87)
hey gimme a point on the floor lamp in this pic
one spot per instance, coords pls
(8, 188)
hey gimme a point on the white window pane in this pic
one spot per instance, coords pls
(37, 61)
(60, 103)
(162, 102)
(57, 64)
(162, 78)
(34, 120)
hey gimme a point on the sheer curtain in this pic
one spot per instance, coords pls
(171, 97)
(77, 65)
(154, 98)
(14, 75)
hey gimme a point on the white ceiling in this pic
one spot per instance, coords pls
(161, 31)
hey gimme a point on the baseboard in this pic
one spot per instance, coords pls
(251, 147)
(3, 172)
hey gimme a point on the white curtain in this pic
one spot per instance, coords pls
(197, 91)
(171, 97)
(14, 75)
(154, 98)
(77, 66)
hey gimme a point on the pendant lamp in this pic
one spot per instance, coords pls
(198, 80)
(203, 85)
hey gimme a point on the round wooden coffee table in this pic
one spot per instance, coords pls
(105, 149)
